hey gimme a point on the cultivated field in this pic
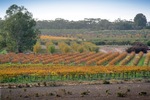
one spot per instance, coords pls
(85, 59)
(43, 76)
(73, 66)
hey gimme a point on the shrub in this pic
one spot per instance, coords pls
(24, 90)
(57, 95)
(51, 94)
(128, 90)
(70, 93)
(106, 82)
(74, 46)
(143, 93)
(37, 47)
(148, 43)
(90, 46)
(65, 48)
(85, 92)
(37, 95)
(137, 47)
(81, 49)
(44, 83)
(120, 94)
(51, 49)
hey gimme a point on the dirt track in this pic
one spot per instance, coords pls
(113, 48)
(80, 92)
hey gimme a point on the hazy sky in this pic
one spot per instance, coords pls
(80, 9)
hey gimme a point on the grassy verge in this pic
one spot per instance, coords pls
(84, 77)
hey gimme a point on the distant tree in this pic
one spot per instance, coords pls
(140, 21)
(122, 24)
(20, 29)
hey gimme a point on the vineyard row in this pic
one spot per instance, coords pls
(104, 59)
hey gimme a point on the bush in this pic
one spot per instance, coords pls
(143, 93)
(137, 47)
(51, 48)
(120, 94)
(65, 48)
(148, 43)
(106, 82)
(90, 46)
(81, 49)
(37, 47)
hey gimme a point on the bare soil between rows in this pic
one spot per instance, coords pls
(114, 91)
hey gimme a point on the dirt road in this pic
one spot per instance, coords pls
(126, 91)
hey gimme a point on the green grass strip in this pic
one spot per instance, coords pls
(141, 62)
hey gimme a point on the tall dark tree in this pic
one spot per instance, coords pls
(140, 21)
(1, 22)
(19, 26)
(2, 35)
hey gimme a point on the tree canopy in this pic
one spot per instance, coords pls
(19, 29)
(140, 21)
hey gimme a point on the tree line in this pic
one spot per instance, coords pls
(140, 22)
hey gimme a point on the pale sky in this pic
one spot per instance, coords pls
(80, 9)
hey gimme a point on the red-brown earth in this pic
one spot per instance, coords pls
(129, 91)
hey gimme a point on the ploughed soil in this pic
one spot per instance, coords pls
(114, 91)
